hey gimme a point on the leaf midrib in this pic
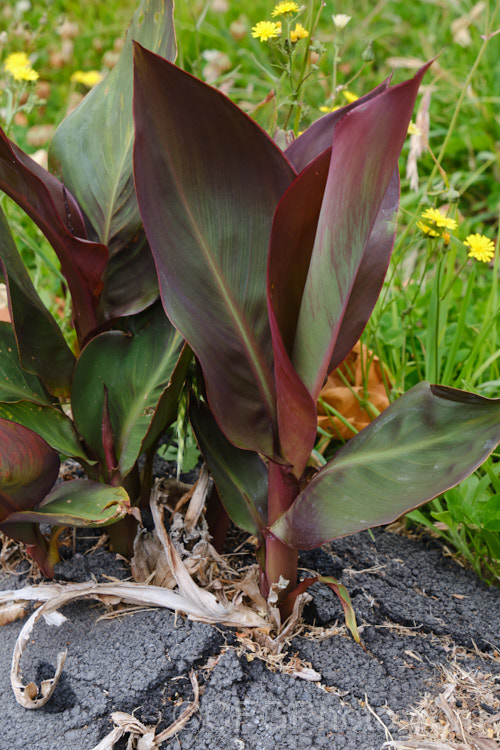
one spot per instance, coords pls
(230, 305)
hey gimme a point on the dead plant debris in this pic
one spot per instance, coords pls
(12, 554)
(465, 715)
(142, 737)
(220, 589)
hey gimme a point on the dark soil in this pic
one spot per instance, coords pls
(414, 606)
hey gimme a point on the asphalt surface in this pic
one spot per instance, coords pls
(413, 604)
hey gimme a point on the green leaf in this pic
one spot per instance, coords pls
(208, 180)
(122, 295)
(240, 476)
(166, 410)
(15, 383)
(266, 113)
(493, 542)
(79, 502)
(101, 129)
(340, 591)
(135, 367)
(418, 517)
(48, 422)
(426, 442)
(345, 600)
(42, 347)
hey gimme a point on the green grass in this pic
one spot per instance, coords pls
(438, 315)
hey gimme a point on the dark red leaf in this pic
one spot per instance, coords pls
(28, 468)
(46, 202)
(208, 180)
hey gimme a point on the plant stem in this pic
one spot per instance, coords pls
(281, 560)
(302, 75)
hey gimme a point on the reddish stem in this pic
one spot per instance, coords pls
(108, 441)
(281, 560)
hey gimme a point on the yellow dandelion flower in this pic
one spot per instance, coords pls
(265, 30)
(349, 96)
(285, 7)
(435, 217)
(299, 32)
(19, 66)
(88, 78)
(413, 130)
(480, 247)
(427, 230)
(328, 109)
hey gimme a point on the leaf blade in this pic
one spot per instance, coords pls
(50, 423)
(28, 468)
(135, 368)
(81, 503)
(16, 383)
(430, 439)
(101, 127)
(370, 276)
(43, 350)
(358, 180)
(55, 212)
(240, 476)
(194, 146)
(292, 239)
(318, 136)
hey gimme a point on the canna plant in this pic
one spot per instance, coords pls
(269, 264)
(105, 400)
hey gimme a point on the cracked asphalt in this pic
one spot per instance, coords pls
(413, 605)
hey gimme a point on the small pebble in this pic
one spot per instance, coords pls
(487, 708)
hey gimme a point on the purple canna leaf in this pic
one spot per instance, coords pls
(299, 252)
(65, 205)
(318, 136)
(46, 202)
(366, 147)
(370, 276)
(41, 344)
(28, 468)
(208, 180)
(427, 441)
(292, 240)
